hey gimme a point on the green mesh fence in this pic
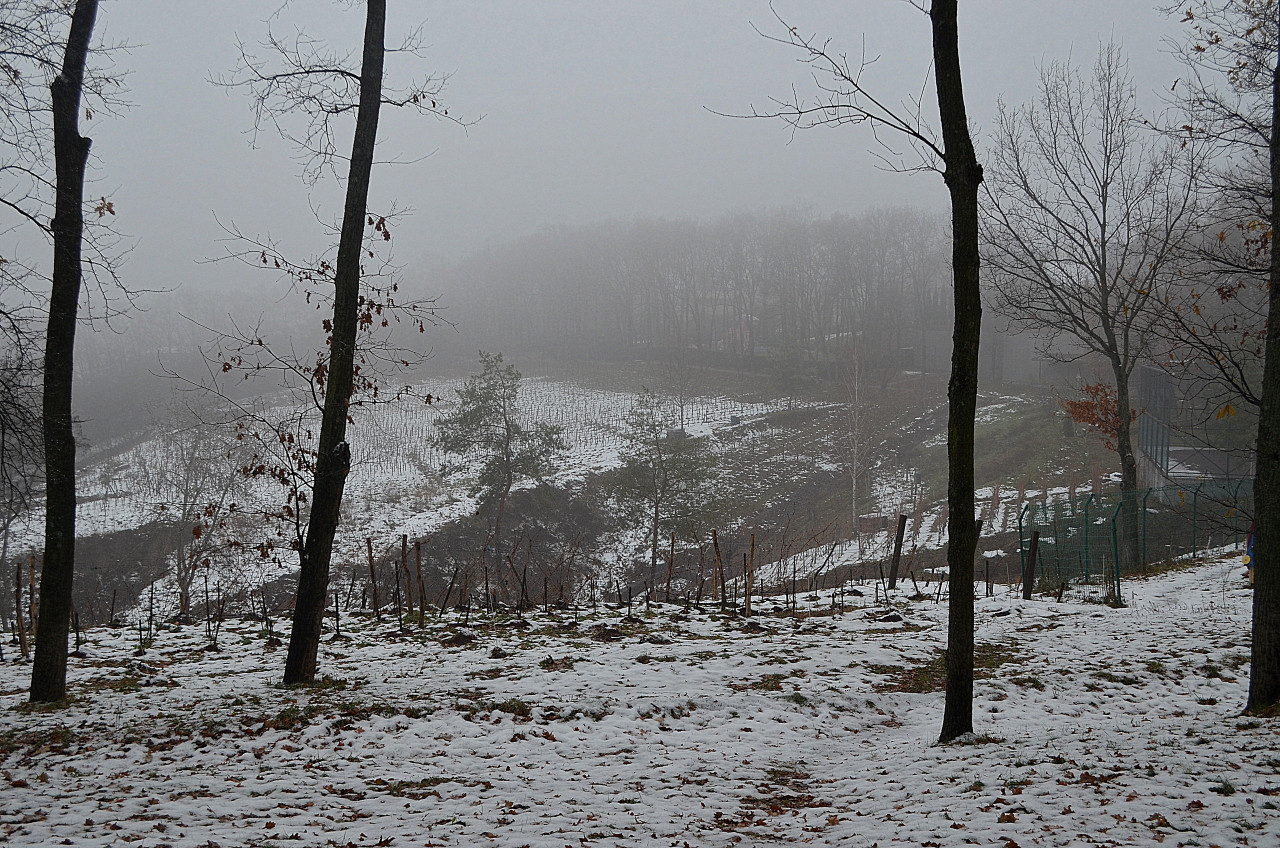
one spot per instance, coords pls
(1100, 538)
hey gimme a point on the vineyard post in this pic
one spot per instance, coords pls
(897, 551)
(422, 594)
(718, 571)
(373, 580)
(671, 567)
(524, 575)
(795, 600)
(399, 616)
(404, 566)
(447, 590)
(1029, 573)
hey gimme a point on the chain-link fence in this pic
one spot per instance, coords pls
(1099, 538)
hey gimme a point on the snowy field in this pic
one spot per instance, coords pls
(396, 484)
(668, 728)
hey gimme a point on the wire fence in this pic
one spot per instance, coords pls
(1099, 538)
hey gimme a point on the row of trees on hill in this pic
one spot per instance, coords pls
(787, 284)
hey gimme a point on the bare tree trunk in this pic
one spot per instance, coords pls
(1264, 674)
(404, 564)
(70, 152)
(653, 545)
(334, 455)
(497, 538)
(422, 594)
(963, 175)
(19, 625)
(1128, 472)
(897, 551)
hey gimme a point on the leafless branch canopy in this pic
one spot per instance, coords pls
(840, 97)
(299, 88)
(1215, 325)
(1229, 52)
(21, 441)
(32, 36)
(1085, 208)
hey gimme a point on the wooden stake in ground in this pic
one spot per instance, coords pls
(351, 587)
(399, 610)
(1029, 576)
(447, 590)
(373, 581)
(718, 574)
(19, 624)
(671, 567)
(408, 583)
(751, 569)
(422, 592)
(897, 552)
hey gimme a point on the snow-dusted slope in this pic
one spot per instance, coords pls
(395, 485)
(1097, 727)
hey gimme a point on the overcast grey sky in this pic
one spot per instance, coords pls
(591, 110)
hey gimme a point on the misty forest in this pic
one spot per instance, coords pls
(571, 424)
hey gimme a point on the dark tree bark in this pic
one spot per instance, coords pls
(1129, 553)
(963, 175)
(71, 153)
(1264, 674)
(845, 101)
(334, 456)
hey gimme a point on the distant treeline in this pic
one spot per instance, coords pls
(787, 285)
(785, 289)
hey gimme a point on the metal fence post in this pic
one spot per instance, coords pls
(1088, 501)
(1144, 528)
(1195, 517)
(1235, 510)
(1115, 547)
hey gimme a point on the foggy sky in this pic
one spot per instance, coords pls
(588, 111)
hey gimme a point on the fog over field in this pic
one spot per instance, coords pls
(810, 374)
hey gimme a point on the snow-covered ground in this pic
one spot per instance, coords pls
(1096, 726)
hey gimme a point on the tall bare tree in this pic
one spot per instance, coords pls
(333, 459)
(193, 471)
(1087, 207)
(1214, 326)
(21, 441)
(1264, 673)
(302, 80)
(71, 154)
(963, 176)
(844, 99)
